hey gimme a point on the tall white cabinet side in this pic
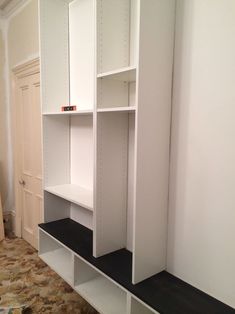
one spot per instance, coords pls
(154, 77)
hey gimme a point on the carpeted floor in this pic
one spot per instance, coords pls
(26, 279)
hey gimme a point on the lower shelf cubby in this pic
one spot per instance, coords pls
(56, 256)
(99, 291)
(105, 282)
(137, 307)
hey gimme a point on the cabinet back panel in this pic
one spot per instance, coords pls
(56, 145)
(81, 215)
(55, 207)
(82, 53)
(82, 164)
(112, 34)
(54, 54)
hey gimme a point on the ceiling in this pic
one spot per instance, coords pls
(8, 6)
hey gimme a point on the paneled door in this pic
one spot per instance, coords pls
(28, 153)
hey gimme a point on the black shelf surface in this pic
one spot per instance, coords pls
(163, 292)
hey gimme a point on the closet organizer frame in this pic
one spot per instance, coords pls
(106, 164)
(126, 203)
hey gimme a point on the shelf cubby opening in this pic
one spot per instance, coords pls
(137, 307)
(68, 155)
(98, 290)
(58, 208)
(115, 182)
(117, 31)
(56, 256)
(115, 93)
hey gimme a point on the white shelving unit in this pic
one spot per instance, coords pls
(106, 164)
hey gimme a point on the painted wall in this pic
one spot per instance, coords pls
(202, 193)
(20, 33)
(4, 158)
(23, 37)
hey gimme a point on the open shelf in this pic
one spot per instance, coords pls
(78, 112)
(162, 292)
(105, 296)
(59, 260)
(117, 109)
(56, 256)
(74, 194)
(127, 74)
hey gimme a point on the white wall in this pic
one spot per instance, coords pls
(202, 194)
(18, 43)
(4, 147)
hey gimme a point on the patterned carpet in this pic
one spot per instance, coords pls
(26, 279)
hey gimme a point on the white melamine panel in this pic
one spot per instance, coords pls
(132, 94)
(73, 193)
(82, 50)
(112, 34)
(83, 272)
(56, 256)
(82, 156)
(115, 109)
(54, 54)
(134, 31)
(55, 208)
(111, 182)
(70, 113)
(60, 261)
(130, 187)
(111, 93)
(81, 215)
(56, 155)
(153, 132)
(127, 74)
(104, 295)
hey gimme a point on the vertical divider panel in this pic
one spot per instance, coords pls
(111, 182)
(95, 132)
(54, 40)
(154, 79)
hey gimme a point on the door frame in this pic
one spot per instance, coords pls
(20, 71)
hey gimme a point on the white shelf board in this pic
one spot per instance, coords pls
(61, 262)
(127, 74)
(74, 194)
(117, 109)
(102, 294)
(78, 112)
